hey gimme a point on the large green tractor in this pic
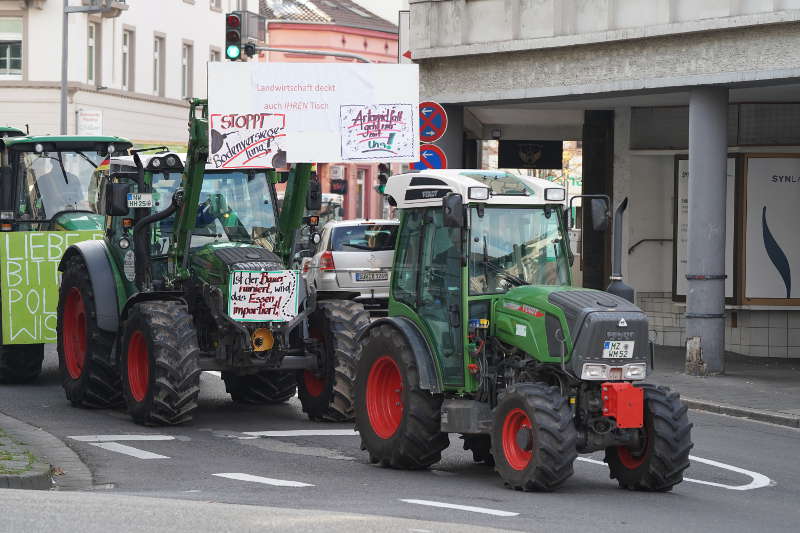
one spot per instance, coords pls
(486, 338)
(44, 207)
(190, 276)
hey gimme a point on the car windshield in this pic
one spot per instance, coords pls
(55, 182)
(235, 206)
(364, 237)
(515, 246)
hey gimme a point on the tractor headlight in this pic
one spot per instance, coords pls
(594, 372)
(555, 194)
(634, 371)
(478, 193)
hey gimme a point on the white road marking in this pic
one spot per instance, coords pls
(759, 481)
(302, 433)
(127, 450)
(117, 438)
(213, 373)
(265, 480)
(470, 508)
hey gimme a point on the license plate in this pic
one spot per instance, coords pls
(139, 200)
(618, 349)
(372, 276)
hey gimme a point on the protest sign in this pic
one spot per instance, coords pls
(256, 296)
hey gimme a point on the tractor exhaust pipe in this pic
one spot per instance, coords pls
(617, 286)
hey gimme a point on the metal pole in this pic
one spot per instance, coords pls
(705, 272)
(64, 63)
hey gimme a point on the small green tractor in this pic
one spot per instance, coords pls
(486, 338)
(44, 207)
(190, 276)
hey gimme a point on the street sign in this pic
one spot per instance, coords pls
(430, 156)
(432, 121)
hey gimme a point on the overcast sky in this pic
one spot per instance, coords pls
(384, 8)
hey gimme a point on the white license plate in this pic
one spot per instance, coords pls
(372, 276)
(139, 200)
(618, 349)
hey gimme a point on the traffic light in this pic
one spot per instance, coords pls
(233, 36)
(383, 176)
(250, 49)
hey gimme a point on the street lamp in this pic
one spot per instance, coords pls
(107, 9)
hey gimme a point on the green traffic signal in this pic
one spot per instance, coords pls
(233, 52)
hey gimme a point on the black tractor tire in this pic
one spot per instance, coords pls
(327, 394)
(660, 463)
(533, 437)
(481, 447)
(88, 374)
(20, 363)
(399, 422)
(262, 388)
(160, 369)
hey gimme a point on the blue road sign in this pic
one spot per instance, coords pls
(432, 121)
(430, 156)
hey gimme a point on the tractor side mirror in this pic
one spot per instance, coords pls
(6, 185)
(600, 214)
(453, 210)
(316, 237)
(114, 199)
(314, 200)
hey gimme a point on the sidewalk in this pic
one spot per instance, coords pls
(19, 467)
(765, 389)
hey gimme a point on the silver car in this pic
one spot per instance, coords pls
(353, 260)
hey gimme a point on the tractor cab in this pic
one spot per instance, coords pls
(46, 180)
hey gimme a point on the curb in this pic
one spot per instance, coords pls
(772, 417)
(37, 478)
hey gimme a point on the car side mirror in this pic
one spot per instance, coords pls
(599, 213)
(314, 199)
(114, 199)
(453, 210)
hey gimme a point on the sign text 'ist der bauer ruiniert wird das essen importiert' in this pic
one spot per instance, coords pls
(316, 112)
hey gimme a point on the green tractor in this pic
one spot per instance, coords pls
(486, 338)
(44, 207)
(190, 276)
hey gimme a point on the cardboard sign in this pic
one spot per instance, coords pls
(263, 296)
(314, 112)
(29, 281)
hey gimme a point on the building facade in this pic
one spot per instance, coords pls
(128, 76)
(690, 109)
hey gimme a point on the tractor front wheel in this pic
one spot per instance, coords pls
(533, 437)
(160, 369)
(327, 393)
(261, 388)
(657, 464)
(399, 422)
(88, 375)
(20, 363)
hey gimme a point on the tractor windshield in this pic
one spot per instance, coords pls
(54, 182)
(515, 246)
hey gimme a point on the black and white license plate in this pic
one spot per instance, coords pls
(372, 276)
(140, 200)
(618, 349)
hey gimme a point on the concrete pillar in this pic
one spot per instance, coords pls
(705, 272)
(452, 142)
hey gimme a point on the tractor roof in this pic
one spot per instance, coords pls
(427, 188)
(28, 143)
(147, 157)
(8, 131)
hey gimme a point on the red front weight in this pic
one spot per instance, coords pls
(624, 403)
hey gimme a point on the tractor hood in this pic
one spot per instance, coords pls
(77, 221)
(213, 262)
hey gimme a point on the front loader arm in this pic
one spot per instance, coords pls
(294, 206)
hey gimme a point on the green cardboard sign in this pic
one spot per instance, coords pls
(29, 280)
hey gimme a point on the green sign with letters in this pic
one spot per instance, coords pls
(29, 280)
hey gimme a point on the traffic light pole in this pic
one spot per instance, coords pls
(313, 53)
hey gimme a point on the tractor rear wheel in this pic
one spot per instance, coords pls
(658, 464)
(327, 394)
(159, 367)
(88, 374)
(533, 437)
(260, 388)
(20, 363)
(399, 422)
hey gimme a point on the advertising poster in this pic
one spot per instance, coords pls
(682, 226)
(314, 112)
(257, 296)
(29, 282)
(772, 246)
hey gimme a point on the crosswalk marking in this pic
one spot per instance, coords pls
(239, 476)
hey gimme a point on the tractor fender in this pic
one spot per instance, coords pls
(95, 257)
(428, 376)
(139, 297)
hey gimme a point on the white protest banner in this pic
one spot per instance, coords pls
(256, 296)
(315, 112)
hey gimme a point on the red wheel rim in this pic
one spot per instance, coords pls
(518, 458)
(74, 333)
(314, 386)
(138, 366)
(628, 459)
(384, 397)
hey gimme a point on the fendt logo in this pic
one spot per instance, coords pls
(622, 323)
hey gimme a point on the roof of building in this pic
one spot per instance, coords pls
(339, 12)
